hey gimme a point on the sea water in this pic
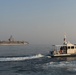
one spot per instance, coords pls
(34, 60)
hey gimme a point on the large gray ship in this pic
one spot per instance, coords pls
(11, 41)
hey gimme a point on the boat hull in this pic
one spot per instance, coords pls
(64, 55)
(8, 44)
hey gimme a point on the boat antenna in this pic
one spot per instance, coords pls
(65, 42)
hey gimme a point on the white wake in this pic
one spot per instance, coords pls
(69, 65)
(21, 58)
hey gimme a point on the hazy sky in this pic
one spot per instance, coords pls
(38, 21)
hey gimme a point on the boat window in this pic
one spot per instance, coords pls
(72, 47)
(68, 47)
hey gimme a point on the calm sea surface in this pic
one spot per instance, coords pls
(34, 60)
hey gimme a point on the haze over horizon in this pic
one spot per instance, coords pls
(38, 21)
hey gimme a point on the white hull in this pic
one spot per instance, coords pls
(63, 55)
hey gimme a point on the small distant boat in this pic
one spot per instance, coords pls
(67, 49)
(11, 41)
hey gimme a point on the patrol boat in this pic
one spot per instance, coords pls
(67, 49)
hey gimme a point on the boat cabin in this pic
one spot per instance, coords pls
(64, 49)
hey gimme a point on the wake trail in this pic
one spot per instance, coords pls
(21, 58)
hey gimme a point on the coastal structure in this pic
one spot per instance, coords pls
(11, 41)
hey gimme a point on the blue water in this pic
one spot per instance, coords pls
(34, 60)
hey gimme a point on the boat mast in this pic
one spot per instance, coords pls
(65, 42)
(11, 38)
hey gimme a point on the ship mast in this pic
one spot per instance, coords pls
(11, 38)
(65, 42)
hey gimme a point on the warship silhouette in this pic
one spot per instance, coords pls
(11, 41)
